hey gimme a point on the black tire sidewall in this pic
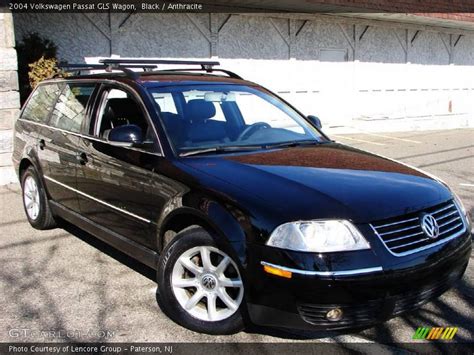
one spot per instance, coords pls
(166, 298)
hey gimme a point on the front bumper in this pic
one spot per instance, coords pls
(303, 301)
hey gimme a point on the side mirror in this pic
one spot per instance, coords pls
(128, 135)
(316, 121)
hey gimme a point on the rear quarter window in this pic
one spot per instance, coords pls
(41, 103)
(69, 111)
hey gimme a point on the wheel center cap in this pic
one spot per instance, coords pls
(209, 281)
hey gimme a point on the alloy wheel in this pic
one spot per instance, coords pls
(207, 283)
(31, 197)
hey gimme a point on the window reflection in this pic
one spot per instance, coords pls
(39, 105)
(70, 108)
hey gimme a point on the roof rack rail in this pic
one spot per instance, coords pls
(78, 68)
(147, 65)
(228, 72)
(207, 66)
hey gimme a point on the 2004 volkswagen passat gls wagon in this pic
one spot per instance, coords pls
(247, 211)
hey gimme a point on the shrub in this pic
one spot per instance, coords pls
(32, 48)
(43, 69)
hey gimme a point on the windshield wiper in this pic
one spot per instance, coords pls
(239, 148)
(293, 143)
(221, 149)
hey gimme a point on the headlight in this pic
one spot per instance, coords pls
(318, 236)
(458, 202)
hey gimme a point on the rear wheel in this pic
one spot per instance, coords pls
(35, 201)
(200, 286)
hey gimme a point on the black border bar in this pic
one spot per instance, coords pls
(432, 347)
(464, 9)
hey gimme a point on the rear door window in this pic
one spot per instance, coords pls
(41, 103)
(70, 109)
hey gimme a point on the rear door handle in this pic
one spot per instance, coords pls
(42, 144)
(81, 158)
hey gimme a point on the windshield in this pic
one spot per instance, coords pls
(216, 117)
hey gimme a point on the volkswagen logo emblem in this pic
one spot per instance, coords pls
(430, 226)
(209, 282)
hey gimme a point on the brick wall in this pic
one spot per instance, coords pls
(9, 98)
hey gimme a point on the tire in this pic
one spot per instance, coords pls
(35, 201)
(178, 286)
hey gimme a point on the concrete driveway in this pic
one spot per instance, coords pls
(64, 285)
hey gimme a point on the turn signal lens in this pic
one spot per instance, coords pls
(278, 272)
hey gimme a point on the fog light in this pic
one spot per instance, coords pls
(334, 314)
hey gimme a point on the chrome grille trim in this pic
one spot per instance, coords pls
(408, 237)
(450, 229)
(446, 215)
(407, 244)
(405, 237)
(449, 221)
(399, 230)
(443, 209)
(394, 223)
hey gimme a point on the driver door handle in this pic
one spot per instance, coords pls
(82, 158)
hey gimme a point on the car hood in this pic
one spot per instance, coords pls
(326, 181)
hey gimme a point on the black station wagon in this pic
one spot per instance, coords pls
(247, 211)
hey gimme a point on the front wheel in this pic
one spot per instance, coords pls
(199, 285)
(35, 201)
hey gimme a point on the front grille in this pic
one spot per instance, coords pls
(403, 235)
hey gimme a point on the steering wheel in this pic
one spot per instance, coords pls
(247, 132)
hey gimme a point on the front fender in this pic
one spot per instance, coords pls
(31, 155)
(216, 218)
